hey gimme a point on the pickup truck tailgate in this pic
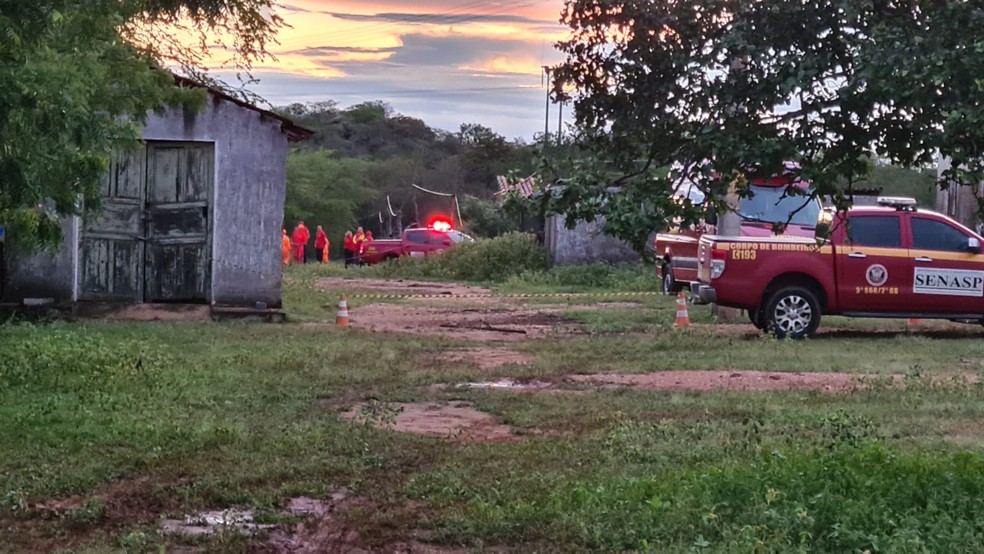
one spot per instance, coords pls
(704, 260)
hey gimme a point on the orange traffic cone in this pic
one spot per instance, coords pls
(914, 321)
(342, 320)
(682, 317)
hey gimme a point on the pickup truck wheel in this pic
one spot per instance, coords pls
(670, 286)
(793, 312)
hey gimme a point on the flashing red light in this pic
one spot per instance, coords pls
(440, 224)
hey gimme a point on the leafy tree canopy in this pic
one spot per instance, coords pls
(77, 78)
(397, 151)
(749, 85)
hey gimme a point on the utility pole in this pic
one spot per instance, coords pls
(560, 122)
(546, 113)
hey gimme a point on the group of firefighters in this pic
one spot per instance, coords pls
(294, 246)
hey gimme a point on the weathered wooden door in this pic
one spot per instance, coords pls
(112, 251)
(178, 257)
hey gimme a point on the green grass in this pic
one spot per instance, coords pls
(164, 419)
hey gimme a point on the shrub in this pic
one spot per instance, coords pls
(627, 277)
(483, 260)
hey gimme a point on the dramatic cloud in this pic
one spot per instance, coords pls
(439, 19)
(446, 62)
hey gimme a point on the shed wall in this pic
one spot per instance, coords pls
(249, 193)
(247, 210)
(586, 243)
(46, 274)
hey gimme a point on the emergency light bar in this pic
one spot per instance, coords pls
(897, 202)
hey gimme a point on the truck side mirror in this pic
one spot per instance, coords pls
(824, 224)
(974, 245)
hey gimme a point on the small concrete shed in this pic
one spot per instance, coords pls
(194, 216)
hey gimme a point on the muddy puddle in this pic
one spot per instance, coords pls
(503, 384)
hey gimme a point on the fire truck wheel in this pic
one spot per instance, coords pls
(670, 285)
(793, 312)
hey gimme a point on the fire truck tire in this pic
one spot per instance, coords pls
(793, 312)
(670, 285)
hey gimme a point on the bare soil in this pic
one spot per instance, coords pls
(457, 421)
(484, 358)
(501, 323)
(734, 380)
(401, 287)
(340, 524)
(147, 312)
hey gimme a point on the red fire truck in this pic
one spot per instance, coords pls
(769, 204)
(891, 261)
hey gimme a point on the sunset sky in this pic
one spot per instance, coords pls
(446, 62)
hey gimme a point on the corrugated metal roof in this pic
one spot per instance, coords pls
(524, 187)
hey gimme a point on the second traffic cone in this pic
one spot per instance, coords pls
(342, 319)
(682, 317)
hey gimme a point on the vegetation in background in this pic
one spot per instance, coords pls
(863, 81)
(323, 190)
(393, 152)
(480, 261)
(899, 181)
(78, 77)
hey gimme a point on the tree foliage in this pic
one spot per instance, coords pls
(322, 190)
(78, 77)
(751, 85)
(398, 151)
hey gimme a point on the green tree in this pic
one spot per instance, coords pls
(78, 77)
(750, 85)
(327, 192)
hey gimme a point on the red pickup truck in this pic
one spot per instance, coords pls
(891, 261)
(676, 249)
(415, 242)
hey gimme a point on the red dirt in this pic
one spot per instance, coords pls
(738, 380)
(457, 421)
(400, 287)
(484, 358)
(493, 324)
(148, 312)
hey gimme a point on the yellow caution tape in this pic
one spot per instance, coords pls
(531, 295)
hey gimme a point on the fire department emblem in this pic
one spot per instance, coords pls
(876, 275)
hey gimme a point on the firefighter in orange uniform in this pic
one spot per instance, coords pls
(351, 251)
(300, 239)
(285, 247)
(320, 244)
(359, 239)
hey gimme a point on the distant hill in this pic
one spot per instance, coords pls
(361, 155)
